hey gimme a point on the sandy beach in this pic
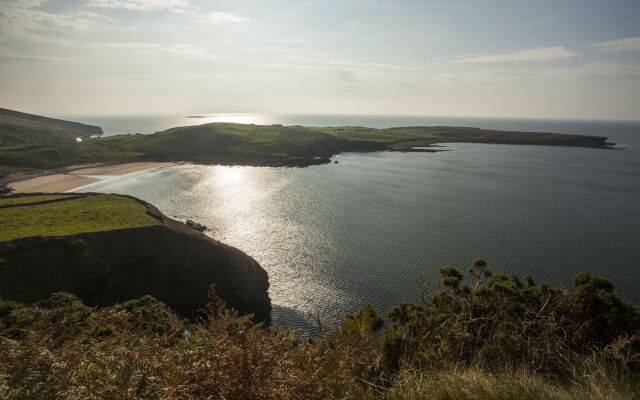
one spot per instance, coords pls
(78, 176)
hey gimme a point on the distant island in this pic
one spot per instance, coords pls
(34, 144)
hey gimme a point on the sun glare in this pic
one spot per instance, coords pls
(227, 176)
(235, 118)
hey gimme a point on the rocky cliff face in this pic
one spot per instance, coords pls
(171, 262)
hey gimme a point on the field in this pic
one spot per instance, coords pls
(57, 215)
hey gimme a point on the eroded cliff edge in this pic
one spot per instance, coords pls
(169, 261)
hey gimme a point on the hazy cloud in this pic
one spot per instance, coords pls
(140, 5)
(220, 17)
(360, 57)
(343, 74)
(613, 46)
(598, 70)
(180, 49)
(132, 45)
(22, 20)
(383, 66)
(12, 56)
(541, 54)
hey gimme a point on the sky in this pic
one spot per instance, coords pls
(481, 58)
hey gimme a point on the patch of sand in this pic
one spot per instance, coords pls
(54, 183)
(50, 183)
(118, 169)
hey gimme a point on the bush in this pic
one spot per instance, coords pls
(362, 323)
(503, 321)
(150, 314)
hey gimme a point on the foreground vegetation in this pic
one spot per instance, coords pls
(61, 214)
(491, 338)
(235, 144)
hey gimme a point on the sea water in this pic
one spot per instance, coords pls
(373, 226)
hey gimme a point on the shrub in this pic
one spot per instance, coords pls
(149, 313)
(503, 321)
(362, 323)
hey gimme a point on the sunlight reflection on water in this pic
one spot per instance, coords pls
(250, 208)
(235, 118)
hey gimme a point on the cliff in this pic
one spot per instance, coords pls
(169, 261)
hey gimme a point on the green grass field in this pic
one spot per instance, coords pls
(8, 201)
(79, 214)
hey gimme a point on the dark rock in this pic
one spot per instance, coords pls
(196, 226)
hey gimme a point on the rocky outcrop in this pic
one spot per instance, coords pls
(170, 261)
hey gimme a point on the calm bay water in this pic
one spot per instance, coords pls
(334, 237)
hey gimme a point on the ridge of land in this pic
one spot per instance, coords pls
(243, 144)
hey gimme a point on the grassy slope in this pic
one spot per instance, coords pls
(25, 138)
(79, 214)
(14, 200)
(20, 129)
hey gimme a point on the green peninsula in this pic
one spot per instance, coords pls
(23, 147)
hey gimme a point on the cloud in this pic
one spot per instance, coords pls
(181, 49)
(23, 3)
(12, 56)
(220, 17)
(343, 74)
(23, 20)
(594, 70)
(132, 45)
(373, 65)
(541, 54)
(140, 5)
(613, 46)
(186, 50)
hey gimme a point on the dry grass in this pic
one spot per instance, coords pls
(116, 354)
(61, 349)
(475, 383)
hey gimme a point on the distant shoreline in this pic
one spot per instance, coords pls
(35, 159)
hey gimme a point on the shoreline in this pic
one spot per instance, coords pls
(78, 176)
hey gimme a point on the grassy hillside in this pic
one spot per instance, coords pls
(493, 338)
(20, 129)
(32, 143)
(57, 215)
(25, 138)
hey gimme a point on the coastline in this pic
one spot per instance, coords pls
(77, 176)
